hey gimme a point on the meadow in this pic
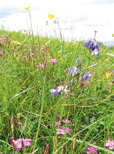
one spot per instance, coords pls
(56, 97)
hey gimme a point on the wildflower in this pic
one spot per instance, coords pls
(83, 83)
(32, 54)
(77, 62)
(40, 66)
(110, 55)
(109, 90)
(85, 76)
(110, 84)
(93, 73)
(20, 143)
(74, 70)
(61, 87)
(107, 60)
(1, 53)
(51, 16)
(92, 45)
(108, 75)
(53, 61)
(47, 148)
(109, 144)
(27, 8)
(57, 123)
(54, 92)
(91, 150)
(64, 130)
(1, 39)
(15, 42)
(66, 121)
(12, 124)
(59, 115)
(96, 52)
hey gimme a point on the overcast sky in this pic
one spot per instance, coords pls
(78, 19)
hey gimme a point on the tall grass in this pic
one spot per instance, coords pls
(25, 93)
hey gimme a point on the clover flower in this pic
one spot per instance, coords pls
(20, 143)
(74, 70)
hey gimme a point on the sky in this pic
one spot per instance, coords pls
(74, 19)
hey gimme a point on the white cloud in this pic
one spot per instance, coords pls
(78, 19)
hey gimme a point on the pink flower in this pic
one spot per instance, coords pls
(64, 130)
(91, 150)
(60, 131)
(109, 144)
(47, 147)
(66, 121)
(1, 39)
(59, 115)
(110, 84)
(53, 61)
(60, 88)
(93, 73)
(109, 90)
(1, 53)
(20, 143)
(40, 66)
(32, 54)
(83, 83)
(57, 123)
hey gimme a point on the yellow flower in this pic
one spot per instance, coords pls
(107, 60)
(107, 75)
(27, 8)
(51, 16)
(15, 42)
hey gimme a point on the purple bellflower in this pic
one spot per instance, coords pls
(54, 92)
(85, 76)
(74, 70)
(93, 46)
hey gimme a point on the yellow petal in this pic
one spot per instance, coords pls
(26, 8)
(107, 75)
(51, 16)
(107, 60)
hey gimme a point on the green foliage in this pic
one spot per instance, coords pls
(25, 90)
